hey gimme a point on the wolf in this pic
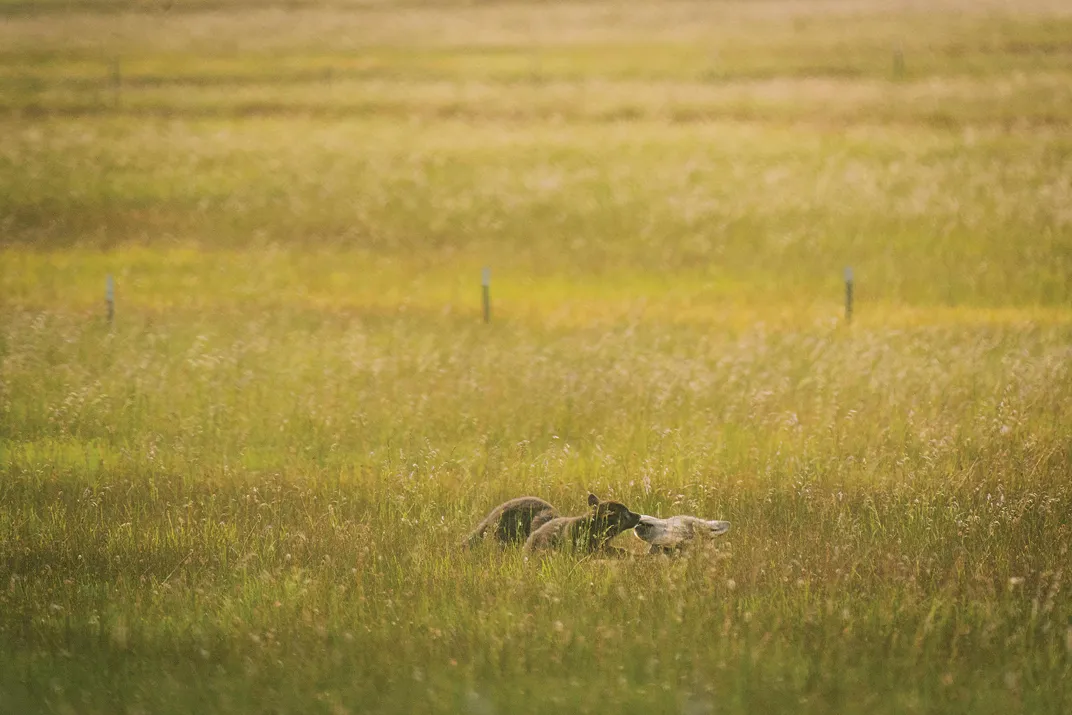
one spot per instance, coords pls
(589, 533)
(668, 535)
(511, 522)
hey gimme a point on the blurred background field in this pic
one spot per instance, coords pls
(735, 149)
(245, 494)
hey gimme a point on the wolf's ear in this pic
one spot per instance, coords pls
(592, 499)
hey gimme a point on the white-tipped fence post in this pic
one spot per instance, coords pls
(485, 284)
(848, 294)
(109, 297)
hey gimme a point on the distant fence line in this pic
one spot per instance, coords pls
(485, 292)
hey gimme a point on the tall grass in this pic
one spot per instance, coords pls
(214, 511)
(247, 494)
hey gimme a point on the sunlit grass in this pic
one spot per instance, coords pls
(246, 493)
(280, 497)
(977, 219)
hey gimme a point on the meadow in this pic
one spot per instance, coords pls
(246, 493)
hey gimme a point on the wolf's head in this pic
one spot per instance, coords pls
(611, 517)
(677, 529)
(649, 527)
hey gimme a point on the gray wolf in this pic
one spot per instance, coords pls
(589, 533)
(668, 535)
(511, 522)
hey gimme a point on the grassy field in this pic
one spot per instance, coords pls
(246, 494)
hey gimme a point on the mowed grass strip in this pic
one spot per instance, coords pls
(1018, 103)
(789, 34)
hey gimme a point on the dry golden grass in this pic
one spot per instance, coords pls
(245, 495)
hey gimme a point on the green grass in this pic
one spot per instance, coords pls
(925, 217)
(246, 494)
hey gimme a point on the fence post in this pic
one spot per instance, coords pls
(109, 297)
(848, 294)
(485, 283)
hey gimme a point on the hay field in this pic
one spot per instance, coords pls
(246, 494)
